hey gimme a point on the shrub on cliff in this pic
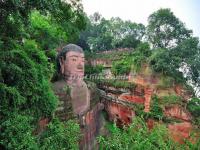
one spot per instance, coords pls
(25, 73)
(89, 69)
(137, 137)
(16, 132)
(156, 111)
(122, 67)
(194, 107)
(60, 135)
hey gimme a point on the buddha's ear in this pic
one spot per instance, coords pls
(62, 65)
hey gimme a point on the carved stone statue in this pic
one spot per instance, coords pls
(71, 65)
(76, 98)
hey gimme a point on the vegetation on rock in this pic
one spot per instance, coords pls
(194, 107)
(31, 31)
(137, 136)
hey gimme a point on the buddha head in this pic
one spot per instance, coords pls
(71, 63)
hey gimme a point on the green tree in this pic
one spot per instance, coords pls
(15, 16)
(102, 34)
(174, 47)
(122, 67)
(46, 32)
(160, 61)
(186, 55)
(126, 33)
(165, 30)
(83, 37)
(100, 38)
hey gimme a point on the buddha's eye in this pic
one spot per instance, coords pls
(73, 59)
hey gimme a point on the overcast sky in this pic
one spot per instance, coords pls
(188, 11)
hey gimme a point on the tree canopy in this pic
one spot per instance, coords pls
(165, 30)
(30, 33)
(102, 34)
(174, 47)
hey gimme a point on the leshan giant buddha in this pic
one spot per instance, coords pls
(71, 66)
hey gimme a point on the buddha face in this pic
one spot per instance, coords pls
(73, 65)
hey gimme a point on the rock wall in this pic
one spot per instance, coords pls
(148, 94)
(121, 112)
(90, 128)
(177, 112)
(148, 84)
(121, 115)
(180, 131)
(104, 62)
(132, 98)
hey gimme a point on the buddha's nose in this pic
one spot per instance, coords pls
(80, 67)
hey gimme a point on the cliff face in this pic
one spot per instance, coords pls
(119, 103)
(122, 104)
(120, 114)
(91, 128)
(177, 112)
(181, 130)
(104, 62)
(121, 111)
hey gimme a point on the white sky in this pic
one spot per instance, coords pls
(139, 10)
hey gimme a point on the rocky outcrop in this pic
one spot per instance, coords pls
(139, 90)
(132, 98)
(181, 91)
(119, 111)
(104, 62)
(121, 115)
(150, 123)
(177, 112)
(125, 100)
(148, 94)
(180, 131)
(118, 101)
(42, 125)
(90, 127)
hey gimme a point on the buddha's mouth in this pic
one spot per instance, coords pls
(80, 71)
